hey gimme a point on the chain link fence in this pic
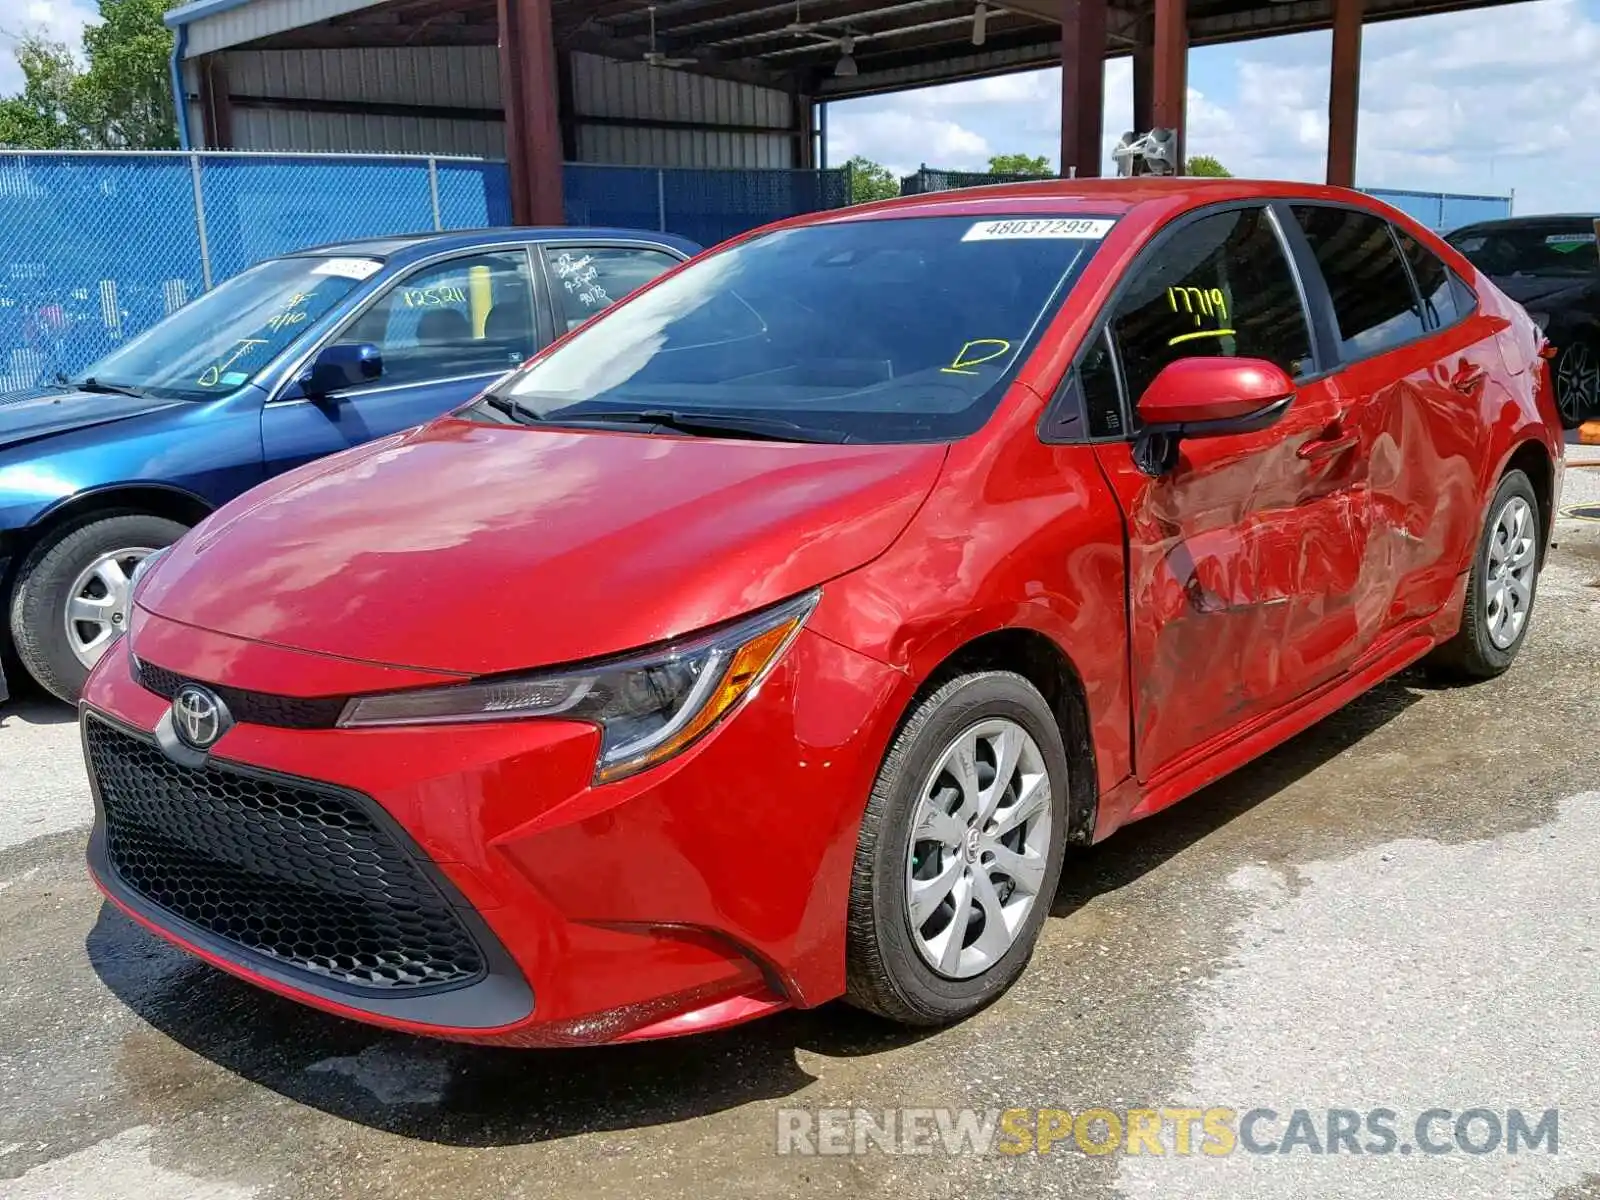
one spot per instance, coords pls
(97, 247)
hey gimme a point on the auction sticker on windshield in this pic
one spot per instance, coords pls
(348, 268)
(1093, 228)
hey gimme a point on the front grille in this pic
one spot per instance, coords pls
(254, 708)
(300, 873)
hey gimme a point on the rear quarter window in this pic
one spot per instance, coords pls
(1373, 300)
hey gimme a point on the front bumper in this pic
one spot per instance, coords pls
(697, 894)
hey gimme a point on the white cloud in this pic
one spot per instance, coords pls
(903, 139)
(58, 20)
(1488, 101)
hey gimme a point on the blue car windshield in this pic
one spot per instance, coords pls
(223, 339)
(888, 330)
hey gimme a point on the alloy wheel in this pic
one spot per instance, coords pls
(1509, 572)
(1578, 383)
(979, 848)
(98, 602)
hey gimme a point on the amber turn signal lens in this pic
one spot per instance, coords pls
(745, 669)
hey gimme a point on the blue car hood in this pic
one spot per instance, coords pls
(62, 412)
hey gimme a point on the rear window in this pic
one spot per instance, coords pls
(903, 329)
(1549, 249)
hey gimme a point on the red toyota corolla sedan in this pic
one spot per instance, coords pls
(772, 637)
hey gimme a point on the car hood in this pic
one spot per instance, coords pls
(50, 413)
(1531, 289)
(477, 548)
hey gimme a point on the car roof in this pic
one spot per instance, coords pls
(1532, 222)
(1093, 197)
(1111, 195)
(405, 246)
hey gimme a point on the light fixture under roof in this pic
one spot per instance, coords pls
(980, 24)
(846, 67)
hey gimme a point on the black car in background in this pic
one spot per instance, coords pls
(1550, 265)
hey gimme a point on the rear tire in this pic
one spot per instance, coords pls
(1500, 588)
(62, 568)
(920, 956)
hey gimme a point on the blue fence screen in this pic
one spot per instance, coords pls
(1444, 211)
(95, 248)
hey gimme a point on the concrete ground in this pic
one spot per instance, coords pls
(1398, 909)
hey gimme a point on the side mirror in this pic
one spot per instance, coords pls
(1207, 397)
(342, 365)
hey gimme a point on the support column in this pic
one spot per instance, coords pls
(1169, 96)
(529, 82)
(1083, 90)
(1144, 84)
(1344, 92)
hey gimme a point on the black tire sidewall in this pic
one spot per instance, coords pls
(1490, 658)
(40, 594)
(968, 701)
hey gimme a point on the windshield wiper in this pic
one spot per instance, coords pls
(771, 429)
(517, 411)
(91, 384)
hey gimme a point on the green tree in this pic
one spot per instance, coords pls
(40, 116)
(1204, 164)
(115, 97)
(1020, 164)
(870, 181)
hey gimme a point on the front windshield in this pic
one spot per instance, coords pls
(905, 329)
(224, 338)
(1564, 250)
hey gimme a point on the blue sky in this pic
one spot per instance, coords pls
(1490, 101)
(1499, 99)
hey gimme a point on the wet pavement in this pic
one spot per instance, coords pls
(1397, 909)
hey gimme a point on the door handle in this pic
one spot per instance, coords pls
(1467, 381)
(1327, 446)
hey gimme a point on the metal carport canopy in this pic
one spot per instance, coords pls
(893, 44)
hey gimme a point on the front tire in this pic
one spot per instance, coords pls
(959, 853)
(73, 594)
(1500, 588)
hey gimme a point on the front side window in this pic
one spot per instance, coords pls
(465, 316)
(1220, 286)
(223, 340)
(1434, 284)
(904, 329)
(590, 279)
(1372, 297)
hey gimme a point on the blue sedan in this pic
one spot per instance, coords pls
(295, 358)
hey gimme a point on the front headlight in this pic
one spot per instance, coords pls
(1540, 319)
(648, 706)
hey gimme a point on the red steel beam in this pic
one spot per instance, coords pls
(1344, 92)
(1169, 98)
(1083, 56)
(529, 91)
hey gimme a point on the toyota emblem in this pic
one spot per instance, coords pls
(199, 717)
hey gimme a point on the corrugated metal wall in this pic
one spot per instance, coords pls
(247, 22)
(461, 77)
(624, 91)
(608, 96)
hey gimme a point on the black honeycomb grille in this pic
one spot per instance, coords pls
(287, 870)
(254, 708)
